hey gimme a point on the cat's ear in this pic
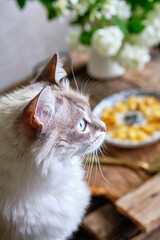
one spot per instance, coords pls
(38, 114)
(53, 72)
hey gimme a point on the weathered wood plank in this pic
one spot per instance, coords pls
(142, 205)
(154, 235)
(108, 224)
(84, 233)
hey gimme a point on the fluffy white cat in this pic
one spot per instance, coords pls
(44, 129)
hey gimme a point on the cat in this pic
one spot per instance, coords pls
(44, 129)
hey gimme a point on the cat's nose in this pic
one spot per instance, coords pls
(104, 127)
(99, 125)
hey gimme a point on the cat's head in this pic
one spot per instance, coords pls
(60, 117)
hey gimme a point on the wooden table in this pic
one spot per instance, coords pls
(103, 221)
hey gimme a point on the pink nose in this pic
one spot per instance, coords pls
(104, 127)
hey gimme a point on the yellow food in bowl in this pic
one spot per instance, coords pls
(136, 119)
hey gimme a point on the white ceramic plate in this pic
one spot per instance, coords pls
(121, 97)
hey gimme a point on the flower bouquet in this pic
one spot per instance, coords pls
(123, 30)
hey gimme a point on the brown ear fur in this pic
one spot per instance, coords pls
(29, 116)
(49, 71)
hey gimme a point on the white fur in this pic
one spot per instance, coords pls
(39, 200)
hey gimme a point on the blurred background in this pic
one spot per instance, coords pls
(117, 35)
(26, 38)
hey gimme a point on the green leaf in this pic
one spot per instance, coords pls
(121, 25)
(86, 37)
(146, 4)
(52, 13)
(78, 20)
(21, 3)
(46, 2)
(136, 24)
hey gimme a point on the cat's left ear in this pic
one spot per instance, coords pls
(53, 72)
(39, 113)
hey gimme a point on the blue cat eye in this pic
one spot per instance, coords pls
(81, 125)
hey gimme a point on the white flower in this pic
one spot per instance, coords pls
(73, 40)
(73, 1)
(107, 41)
(61, 4)
(117, 8)
(133, 56)
(79, 7)
(150, 36)
(109, 10)
(95, 15)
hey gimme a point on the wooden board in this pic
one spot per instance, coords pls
(142, 205)
(107, 224)
(154, 235)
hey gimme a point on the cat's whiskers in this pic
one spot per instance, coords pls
(89, 88)
(91, 161)
(83, 87)
(101, 151)
(100, 169)
(104, 149)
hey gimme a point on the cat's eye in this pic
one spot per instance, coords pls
(81, 125)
